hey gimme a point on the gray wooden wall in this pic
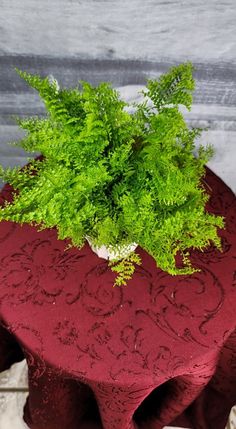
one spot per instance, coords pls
(124, 43)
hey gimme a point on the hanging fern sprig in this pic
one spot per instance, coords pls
(125, 268)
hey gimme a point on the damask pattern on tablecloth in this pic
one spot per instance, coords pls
(36, 272)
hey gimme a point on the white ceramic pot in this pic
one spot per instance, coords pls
(108, 252)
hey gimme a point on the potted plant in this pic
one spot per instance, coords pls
(114, 178)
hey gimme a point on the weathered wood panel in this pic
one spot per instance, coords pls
(217, 75)
(134, 29)
(215, 83)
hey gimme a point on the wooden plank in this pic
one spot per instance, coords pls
(15, 378)
(11, 410)
(136, 29)
(215, 83)
(215, 92)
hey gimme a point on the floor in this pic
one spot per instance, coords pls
(13, 393)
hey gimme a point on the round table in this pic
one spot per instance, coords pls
(160, 351)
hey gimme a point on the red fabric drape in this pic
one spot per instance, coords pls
(160, 351)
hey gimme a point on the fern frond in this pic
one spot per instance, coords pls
(125, 268)
(175, 87)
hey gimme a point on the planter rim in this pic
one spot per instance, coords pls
(107, 252)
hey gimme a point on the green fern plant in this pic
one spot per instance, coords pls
(117, 177)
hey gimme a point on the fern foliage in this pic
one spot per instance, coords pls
(115, 176)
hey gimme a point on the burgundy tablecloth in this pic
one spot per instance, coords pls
(160, 351)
